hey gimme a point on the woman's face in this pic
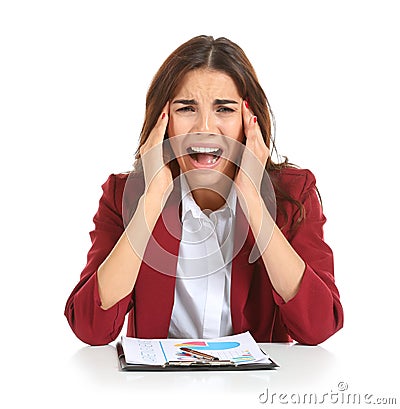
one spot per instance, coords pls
(206, 102)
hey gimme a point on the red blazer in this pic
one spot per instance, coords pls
(313, 315)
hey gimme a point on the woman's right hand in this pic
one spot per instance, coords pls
(117, 274)
(157, 174)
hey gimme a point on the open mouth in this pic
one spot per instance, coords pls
(204, 156)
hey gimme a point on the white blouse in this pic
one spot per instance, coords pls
(203, 278)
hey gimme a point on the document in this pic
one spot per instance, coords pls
(238, 349)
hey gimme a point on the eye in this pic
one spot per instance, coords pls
(186, 109)
(225, 109)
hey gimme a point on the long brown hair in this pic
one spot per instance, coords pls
(223, 55)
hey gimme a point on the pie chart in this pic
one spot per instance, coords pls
(209, 346)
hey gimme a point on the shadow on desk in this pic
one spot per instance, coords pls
(300, 367)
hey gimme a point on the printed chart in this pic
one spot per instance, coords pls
(240, 349)
(223, 350)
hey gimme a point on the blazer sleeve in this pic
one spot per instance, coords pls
(88, 320)
(315, 312)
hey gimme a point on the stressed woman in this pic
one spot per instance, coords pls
(207, 236)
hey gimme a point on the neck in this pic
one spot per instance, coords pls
(209, 199)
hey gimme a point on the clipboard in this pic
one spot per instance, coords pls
(192, 365)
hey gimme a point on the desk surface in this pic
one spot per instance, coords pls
(305, 373)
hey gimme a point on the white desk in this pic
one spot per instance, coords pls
(94, 376)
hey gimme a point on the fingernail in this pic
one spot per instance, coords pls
(255, 119)
(246, 103)
(163, 115)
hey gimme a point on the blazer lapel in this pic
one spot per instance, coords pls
(242, 271)
(155, 285)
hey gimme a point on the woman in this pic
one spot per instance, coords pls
(189, 245)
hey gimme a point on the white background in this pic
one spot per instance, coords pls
(73, 80)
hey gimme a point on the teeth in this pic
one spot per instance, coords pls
(201, 149)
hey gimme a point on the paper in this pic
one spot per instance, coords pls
(240, 349)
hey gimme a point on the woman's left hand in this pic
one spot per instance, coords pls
(255, 156)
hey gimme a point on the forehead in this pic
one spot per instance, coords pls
(208, 83)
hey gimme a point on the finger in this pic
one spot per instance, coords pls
(161, 124)
(157, 134)
(250, 123)
(255, 144)
(152, 150)
(252, 129)
(247, 115)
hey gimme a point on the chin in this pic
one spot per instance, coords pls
(218, 179)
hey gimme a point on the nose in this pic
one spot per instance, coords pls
(205, 122)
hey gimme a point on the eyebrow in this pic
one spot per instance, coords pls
(194, 102)
(224, 101)
(185, 101)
